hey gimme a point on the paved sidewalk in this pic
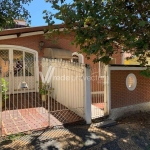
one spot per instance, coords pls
(23, 120)
(130, 136)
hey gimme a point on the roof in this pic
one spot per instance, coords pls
(22, 30)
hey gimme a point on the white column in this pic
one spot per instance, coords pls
(107, 91)
(87, 107)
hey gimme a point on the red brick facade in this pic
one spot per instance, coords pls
(63, 43)
(121, 96)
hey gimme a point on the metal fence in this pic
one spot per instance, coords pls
(35, 97)
(97, 90)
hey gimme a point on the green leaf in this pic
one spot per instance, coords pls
(142, 23)
(99, 25)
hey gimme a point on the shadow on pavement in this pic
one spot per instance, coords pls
(82, 137)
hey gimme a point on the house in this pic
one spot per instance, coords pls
(21, 50)
(27, 57)
(29, 39)
(29, 43)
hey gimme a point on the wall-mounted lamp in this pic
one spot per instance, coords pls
(41, 44)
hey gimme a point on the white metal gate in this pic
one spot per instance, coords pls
(67, 80)
(98, 90)
(24, 109)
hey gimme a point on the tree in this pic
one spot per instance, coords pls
(12, 9)
(102, 27)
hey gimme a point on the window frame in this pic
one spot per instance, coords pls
(134, 82)
(80, 57)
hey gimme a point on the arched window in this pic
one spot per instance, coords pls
(78, 58)
(75, 58)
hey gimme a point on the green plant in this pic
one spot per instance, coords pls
(43, 89)
(111, 26)
(15, 136)
(145, 73)
(4, 89)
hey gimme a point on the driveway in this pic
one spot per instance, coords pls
(130, 133)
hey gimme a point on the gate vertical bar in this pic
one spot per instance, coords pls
(0, 102)
(106, 90)
(48, 108)
(87, 95)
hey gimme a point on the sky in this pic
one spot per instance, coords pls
(36, 8)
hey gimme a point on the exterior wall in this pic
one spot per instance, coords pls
(121, 96)
(123, 100)
(64, 42)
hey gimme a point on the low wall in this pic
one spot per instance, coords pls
(122, 100)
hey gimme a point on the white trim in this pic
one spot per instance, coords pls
(81, 57)
(18, 48)
(98, 92)
(37, 71)
(8, 37)
(108, 90)
(126, 68)
(28, 34)
(12, 29)
(61, 29)
(87, 96)
(99, 70)
(5, 37)
(132, 87)
(31, 33)
(105, 91)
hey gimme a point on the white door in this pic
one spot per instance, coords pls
(19, 66)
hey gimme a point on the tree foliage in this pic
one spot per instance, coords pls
(102, 27)
(12, 9)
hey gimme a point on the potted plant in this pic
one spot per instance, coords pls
(43, 91)
(4, 90)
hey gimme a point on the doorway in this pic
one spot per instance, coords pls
(19, 65)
